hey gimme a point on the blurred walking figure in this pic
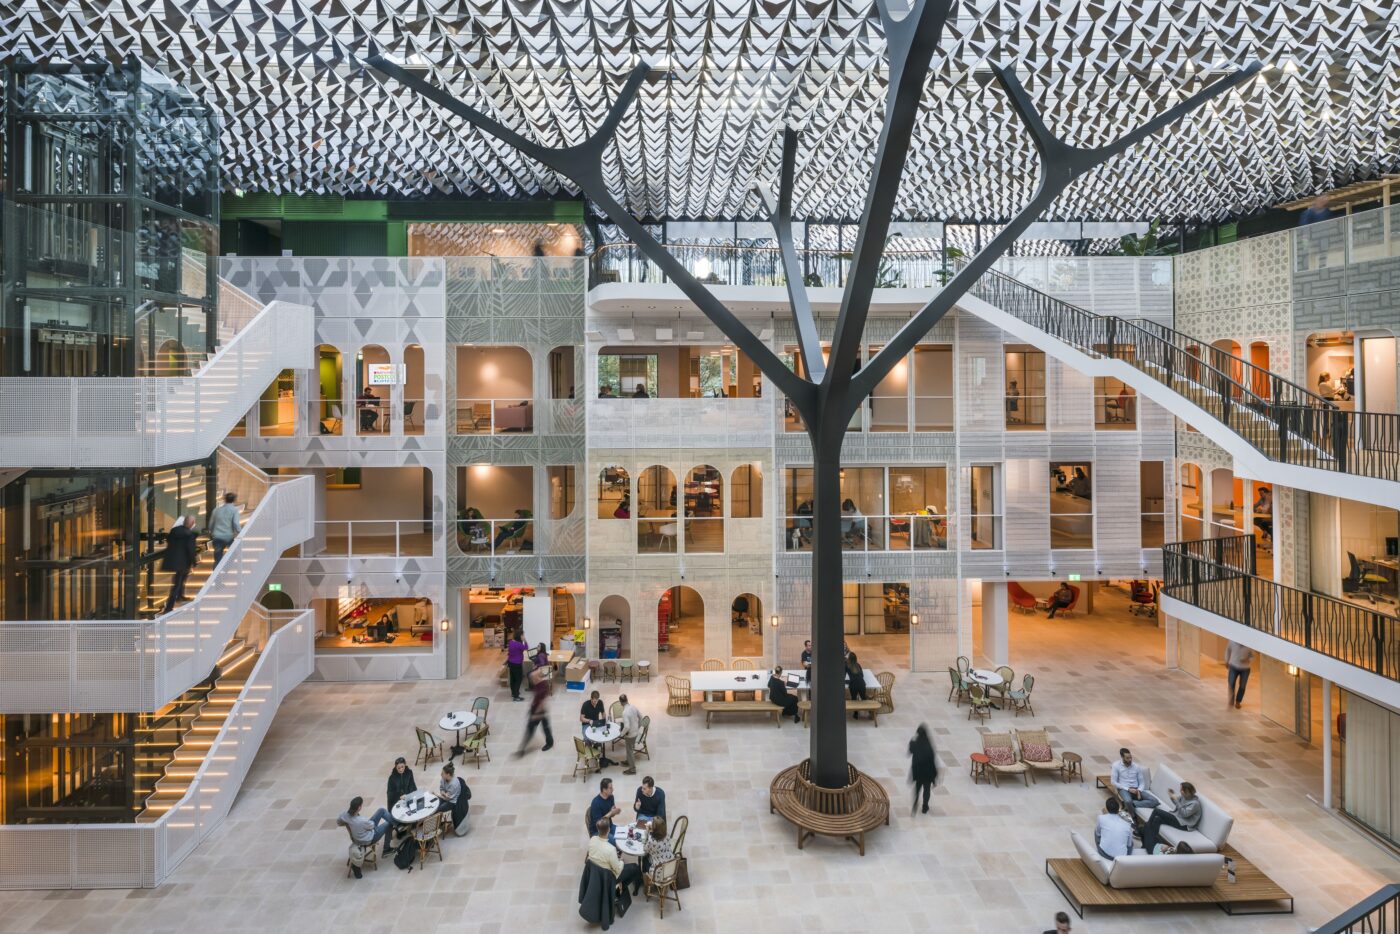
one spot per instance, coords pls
(923, 770)
(539, 711)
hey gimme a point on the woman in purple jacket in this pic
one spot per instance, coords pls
(515, 658)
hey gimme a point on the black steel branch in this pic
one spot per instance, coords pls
(1061, 164)
(911, 42)
(780, 213)
(583, 164)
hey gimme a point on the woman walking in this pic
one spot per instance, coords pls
(923, 771)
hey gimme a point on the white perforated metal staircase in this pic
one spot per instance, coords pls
(1276, 430)
(141, 665)
(151, 421)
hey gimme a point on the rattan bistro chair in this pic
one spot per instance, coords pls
(677, 837)
(885, 694)
(639, 748)
(588, 757)
(428, 834)
(367, 854)
(1021, 699)
(979, 701)
(429, 746)
(1001, 690)
(959, 688)
(678, 696)
(661, 882)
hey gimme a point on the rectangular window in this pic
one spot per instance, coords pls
(1115, 404)
(889, 402)
(933, 387)
(746, 492)
(561, 491)
(985, 516)
(1025, 388)
(626, 375)
(1191, 506)
(1071, 505)
(918, 508)
(1153, 504)
(797, 501)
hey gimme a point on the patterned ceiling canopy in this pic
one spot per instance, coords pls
(302, 115)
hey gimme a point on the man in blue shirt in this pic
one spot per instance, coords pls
(651, 801)
(1113, 834)
(603, 807)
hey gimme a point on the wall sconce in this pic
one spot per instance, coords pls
(914, 620)
(587, 623)
(446, 624)
(1293, 670)
(773, 620)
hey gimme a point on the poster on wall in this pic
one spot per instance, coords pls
(382, 374)
(537, 620)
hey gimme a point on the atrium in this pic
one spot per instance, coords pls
(473, 466)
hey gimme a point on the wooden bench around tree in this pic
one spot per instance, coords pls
(749, 707)
(829, 812)
(871, 707)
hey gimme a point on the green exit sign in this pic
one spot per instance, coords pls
(1073, 577)
(276, 587)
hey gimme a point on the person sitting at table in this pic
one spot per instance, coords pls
(365, 832)
(400, 783)
(655, 851)
(1061, 599)
(541, 657)
(1113, 833)
(778, 694)
(855, 680)
(602, 853)
(606, 392)
(807, 657)
(603, 808)
(368, 404)
(651, 801)
(624, 508)
(593, 713)
(455, 797)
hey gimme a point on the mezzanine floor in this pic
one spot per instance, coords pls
(975, 864)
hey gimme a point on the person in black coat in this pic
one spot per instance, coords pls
(598, 895)
(778, 694)
(401, 782)
(855, 680)
(923, 770)
(180, 557)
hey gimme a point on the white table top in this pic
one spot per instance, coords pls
(984, 676)
(602, 734)
(428, 808)
(725, 680)
(457, 720)
(560, 657)
(630, 847)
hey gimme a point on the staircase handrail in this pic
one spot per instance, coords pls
(1358, 918)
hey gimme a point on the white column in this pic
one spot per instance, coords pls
(995, 624)
(1327, 744)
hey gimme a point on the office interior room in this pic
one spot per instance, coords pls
(354, 622)
(1355, 551)
(916, 395)
(492, 613)
(1355, 370)
(495, 390)
(496, 507)
(685, 371)
(376, 511)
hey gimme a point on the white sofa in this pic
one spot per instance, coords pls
(1142, 872)
(1210, 834)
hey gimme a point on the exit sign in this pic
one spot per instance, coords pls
(1073, 577)
(276, 587)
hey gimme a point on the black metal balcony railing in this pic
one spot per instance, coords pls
(1377, 914)
(1218, 576)
(1280, 419)
(721, 264)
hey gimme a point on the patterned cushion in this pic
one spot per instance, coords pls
(1036, 752)
(1001, 755)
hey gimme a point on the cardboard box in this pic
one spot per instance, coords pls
(576, 675)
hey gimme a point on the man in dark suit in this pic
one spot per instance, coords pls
(180, 558)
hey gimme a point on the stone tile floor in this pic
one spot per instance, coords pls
(975, 864)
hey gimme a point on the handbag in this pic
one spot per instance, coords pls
(682, 873)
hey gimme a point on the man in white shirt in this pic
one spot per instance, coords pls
(631, 730)
(1113, 834)
(602, 853)
(1239, 659)
(1130, 782)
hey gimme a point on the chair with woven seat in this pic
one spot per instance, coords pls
(428, 747)
(428, 835)
(885, 693)
(615, 715)
(474, 748)
(639, 748)
(677, 837)
(959, 688)
(661, 882)
(625, 669)
(1021, 698)
(712, 664)
(1001, 690)
(743, 664)
(677, 696)
(361, 854)
(588, 757)
(978, 701)
(610, 670)
(964, 666)
(1000, 750)
(481, 706)
(644, 670)
(1039, 756)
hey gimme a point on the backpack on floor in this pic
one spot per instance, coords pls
(406, 854)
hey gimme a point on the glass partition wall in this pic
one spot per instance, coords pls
(110, 223)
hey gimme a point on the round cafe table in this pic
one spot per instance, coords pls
(604, 734)
(414, 807)
(630, 847)
(984, 677)
(457, 721)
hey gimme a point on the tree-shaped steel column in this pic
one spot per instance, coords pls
(828, 393)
